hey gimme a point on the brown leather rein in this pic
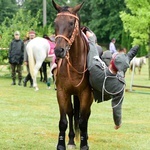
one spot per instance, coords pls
(70, 42)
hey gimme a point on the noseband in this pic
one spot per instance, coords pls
(75, 31)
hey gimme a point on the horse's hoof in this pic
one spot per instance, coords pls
(84, 148)
(71, 146)
(60, 147)
(49, 87)
(36, 89)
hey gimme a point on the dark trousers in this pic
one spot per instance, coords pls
(15, 68)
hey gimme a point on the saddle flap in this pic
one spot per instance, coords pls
(52, 46)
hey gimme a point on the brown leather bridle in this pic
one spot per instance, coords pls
(75, 31)
(70, 42)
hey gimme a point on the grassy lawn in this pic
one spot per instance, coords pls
(29, 119)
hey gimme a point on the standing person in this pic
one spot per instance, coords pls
(108, 82)
(15, 56)
(112, 47)
(32, 35)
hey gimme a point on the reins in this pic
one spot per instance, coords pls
(70, 42)
(70, 65)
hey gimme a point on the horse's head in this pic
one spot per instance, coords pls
(66, 28)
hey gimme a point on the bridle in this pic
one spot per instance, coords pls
(75, 31)
(70, 42)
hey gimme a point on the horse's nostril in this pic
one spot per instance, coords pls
(61, 50)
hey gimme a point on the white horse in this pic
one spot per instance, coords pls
(138, 63)
(39, 50)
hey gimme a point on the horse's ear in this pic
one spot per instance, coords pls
(77, 8)
(56, 6)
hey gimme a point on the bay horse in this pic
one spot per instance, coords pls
(72, 77)
(138, 62)
(38, 52)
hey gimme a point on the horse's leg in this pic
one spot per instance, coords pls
(62, 129)
(71, 144)
(63, 107)
(45, 71)
(41, 76)
(50, 76)
(85, 104)
(139, 70)
(36, 69)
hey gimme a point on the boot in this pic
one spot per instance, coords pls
(25, 82)
(14, 82)
(19, 83)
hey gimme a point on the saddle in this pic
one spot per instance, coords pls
(51, 50)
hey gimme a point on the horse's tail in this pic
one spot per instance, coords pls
(31, 60)
(76, 115)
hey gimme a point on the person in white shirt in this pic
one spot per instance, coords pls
(112, 47)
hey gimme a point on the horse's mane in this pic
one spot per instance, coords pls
(46, 37)
(64, 8)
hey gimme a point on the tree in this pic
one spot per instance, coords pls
(35, 5)
(105, 20)
(137, 22)
(23, 22)
(7, 9)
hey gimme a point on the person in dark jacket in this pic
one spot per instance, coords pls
(108, 82)
(16, 56)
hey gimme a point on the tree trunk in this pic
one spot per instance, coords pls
(149, 55)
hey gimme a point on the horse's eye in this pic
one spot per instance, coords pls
(71, 23)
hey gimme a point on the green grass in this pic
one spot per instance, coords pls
(29, 119)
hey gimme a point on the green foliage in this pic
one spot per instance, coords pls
(137, 22)
(104, 18)
(126, 40)
(3, 56)
(7, 9)
(35, 5)
(22, 22)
